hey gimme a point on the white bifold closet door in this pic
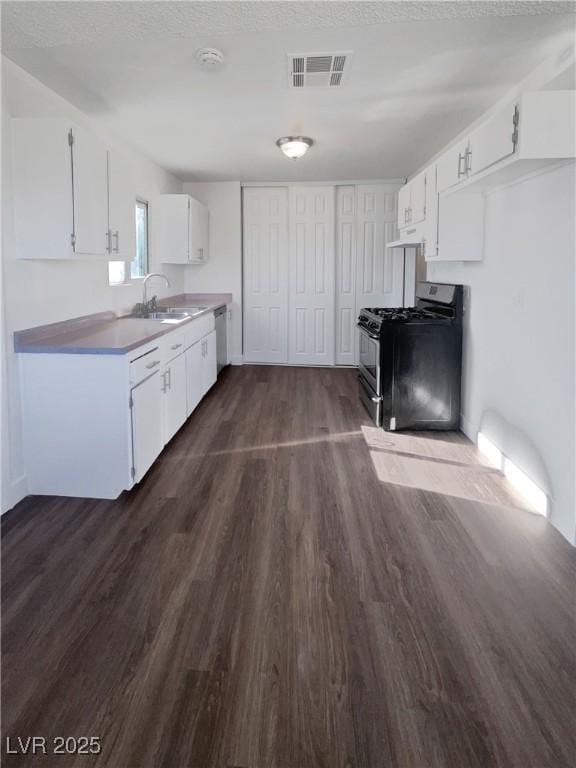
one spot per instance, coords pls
(265, 274)
(311, 299)
(367, 273)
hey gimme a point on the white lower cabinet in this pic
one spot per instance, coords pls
(146, 423)
(195, 388)
(174, 393)
(201, 369)
(209, 362)
(95, 423)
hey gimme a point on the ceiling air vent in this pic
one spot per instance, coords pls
(318, 70)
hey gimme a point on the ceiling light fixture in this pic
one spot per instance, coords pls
(294, 146)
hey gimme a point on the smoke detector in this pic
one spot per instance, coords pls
(209, 58)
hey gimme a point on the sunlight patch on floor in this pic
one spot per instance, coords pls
(336, 437)
(438, 466)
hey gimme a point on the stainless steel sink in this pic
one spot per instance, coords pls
(175, 317)
(189, 310)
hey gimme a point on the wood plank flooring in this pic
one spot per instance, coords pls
(263, 600)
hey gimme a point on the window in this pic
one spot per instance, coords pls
(139, 266)
(120, 272)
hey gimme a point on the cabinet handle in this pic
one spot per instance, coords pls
(461, 157)
(108, 241)
(468, 161)
(153, 364)
(116, 237)
(164, 385)
(175, 346)
(169, 373)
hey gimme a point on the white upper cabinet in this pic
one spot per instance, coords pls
(451, 167)
(492, 141)
(412, 201)
(121, 238)
(173, 229)
(520, 137)
(547, 125)
(60, 190)
(182, 230)
(430, 238)
(199, 232)
(403, 205)
(90, 191)
(418, 198)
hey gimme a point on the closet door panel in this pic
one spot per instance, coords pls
(379, 270)
(312, 276)
(265, 275)
(345, 275)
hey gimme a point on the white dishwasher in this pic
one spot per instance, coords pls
(221, 320)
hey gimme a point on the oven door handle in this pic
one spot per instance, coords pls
(367, 333)
(373, 398)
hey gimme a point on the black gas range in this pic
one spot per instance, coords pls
(410, 360)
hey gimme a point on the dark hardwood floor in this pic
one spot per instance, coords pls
(263, 600)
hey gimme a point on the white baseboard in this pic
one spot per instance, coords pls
(15, 492)
(469, 430)
(237, 360)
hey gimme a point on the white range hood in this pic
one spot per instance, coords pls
(410, 237)
(405, 242)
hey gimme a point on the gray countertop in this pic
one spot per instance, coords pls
(107, 334)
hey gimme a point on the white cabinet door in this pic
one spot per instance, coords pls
(209, 361)
(121, 208)
(403, 205)
(147, 437)
(451, 167)
(431, 225)
(492, 141)
(265, 236)
(345, 275)
(172, 232)
(418, 198)
(90, 194)
(174, 390)
(379, 269)
(205, 233)
(194, 376)
(312, 266)
(42, 186)
(199, 221)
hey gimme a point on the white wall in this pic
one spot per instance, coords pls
(38, 292)
(223, 272)
(519, 381)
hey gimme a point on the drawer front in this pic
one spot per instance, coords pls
(174, 343)
(149, 361)
(199, 328)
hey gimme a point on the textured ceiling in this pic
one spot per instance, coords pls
(421, 72)
(47, 24)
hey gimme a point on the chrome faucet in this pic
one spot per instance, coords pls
(148, 306)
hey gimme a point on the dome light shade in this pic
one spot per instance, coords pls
(294, 146)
